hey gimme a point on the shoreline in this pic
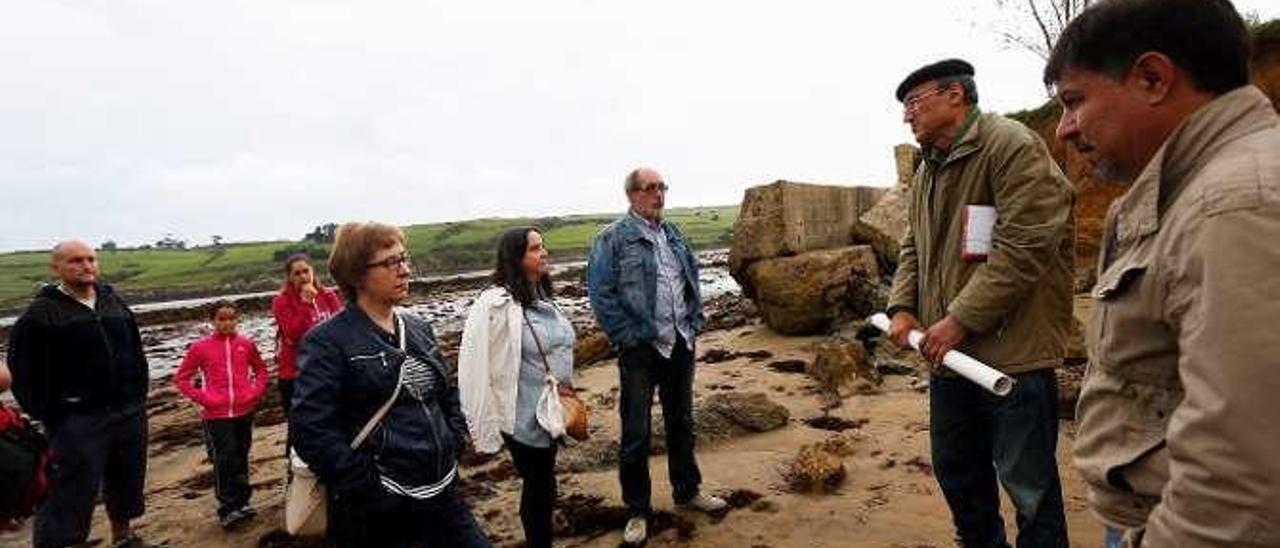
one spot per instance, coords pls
(186, 305)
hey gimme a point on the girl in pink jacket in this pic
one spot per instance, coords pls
(233, 378)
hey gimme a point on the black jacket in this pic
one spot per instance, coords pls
(348, 367)
(67, 359)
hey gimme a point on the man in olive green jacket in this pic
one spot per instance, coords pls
(985, 268)
(1179, 417)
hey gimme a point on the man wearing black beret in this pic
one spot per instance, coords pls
(986, 269)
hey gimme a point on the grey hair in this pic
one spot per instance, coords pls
(967, 85)
(632, 181)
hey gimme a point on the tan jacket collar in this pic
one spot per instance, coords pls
(1232, 115)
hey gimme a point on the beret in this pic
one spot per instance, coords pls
(941, 69)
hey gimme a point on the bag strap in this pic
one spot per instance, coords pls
(546, 366)
(382, 411)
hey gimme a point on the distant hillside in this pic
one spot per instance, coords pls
(436, 248)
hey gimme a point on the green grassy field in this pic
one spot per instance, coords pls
(436, 248)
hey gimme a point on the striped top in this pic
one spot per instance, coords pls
(421, 382)
(422, 492)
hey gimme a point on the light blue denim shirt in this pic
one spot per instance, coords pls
(556, 334)
(669, 315)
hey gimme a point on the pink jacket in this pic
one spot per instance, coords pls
(294, 318)
(234, 377)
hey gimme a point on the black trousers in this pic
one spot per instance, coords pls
(642, 370)
(286, 395)
(228, 442)
(106, 452)
(537, 469)
(286, 401)
(385, 520)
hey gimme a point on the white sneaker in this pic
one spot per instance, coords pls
(705, 503)
(636, 532)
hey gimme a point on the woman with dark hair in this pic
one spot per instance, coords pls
(301, 304)
(375, 415)
(514, 335)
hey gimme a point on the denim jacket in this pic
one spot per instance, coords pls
(622, 281)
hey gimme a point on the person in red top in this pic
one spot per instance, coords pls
(301, 304)
(233, 379)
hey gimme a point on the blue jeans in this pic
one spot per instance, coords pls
(972, 429)
(1113, 538)
(642, 369)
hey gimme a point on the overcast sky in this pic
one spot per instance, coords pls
(127, 120)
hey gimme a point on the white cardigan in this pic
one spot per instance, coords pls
(489, 367)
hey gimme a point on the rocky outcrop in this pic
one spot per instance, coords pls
(819, 467)
(839, 361)
(1264, 66)
(590, 348)
(906, 158)
(1094, 197)
(716, 418)
(727, 415)
(885, 225)
(804, 294)
(786, 218)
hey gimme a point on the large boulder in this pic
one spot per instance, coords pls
(819, 467)
(725, 416)
(838, 361)
(787, 218)
(747, 412)
(590, 348)
(906, 158)
(804, 294)
(885, 225)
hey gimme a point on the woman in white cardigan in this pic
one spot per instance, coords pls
(513, 335)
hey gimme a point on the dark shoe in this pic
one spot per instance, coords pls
(134, 541)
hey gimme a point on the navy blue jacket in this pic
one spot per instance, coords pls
(347, 368)
(67, 359)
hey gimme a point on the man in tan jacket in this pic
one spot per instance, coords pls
(986, 268)
(1179, 418)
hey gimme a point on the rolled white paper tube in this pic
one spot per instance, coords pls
(984, 375)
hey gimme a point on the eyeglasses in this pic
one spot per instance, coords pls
(659, 186)
(391, 263)
(910, 103)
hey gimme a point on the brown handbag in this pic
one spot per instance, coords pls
(575, 410)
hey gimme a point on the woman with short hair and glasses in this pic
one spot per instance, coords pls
(514, 335)
(399, 487)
